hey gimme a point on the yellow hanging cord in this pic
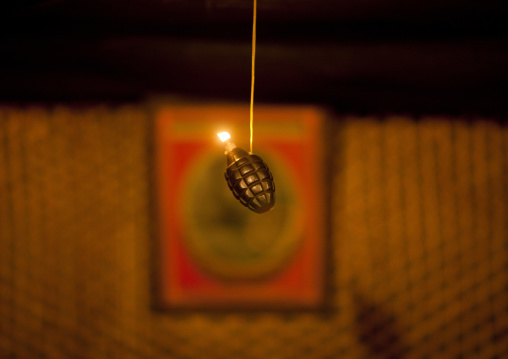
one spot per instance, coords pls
(252, 80)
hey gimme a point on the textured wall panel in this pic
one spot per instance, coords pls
(419, 238)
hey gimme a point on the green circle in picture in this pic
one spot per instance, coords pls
(227, 240)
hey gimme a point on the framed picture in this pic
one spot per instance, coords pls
(215, 253)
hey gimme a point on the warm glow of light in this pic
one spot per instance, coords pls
(224, 136)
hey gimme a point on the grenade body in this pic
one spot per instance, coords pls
(250, 180)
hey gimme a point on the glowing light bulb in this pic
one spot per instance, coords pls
(224, 136)
(248, 177)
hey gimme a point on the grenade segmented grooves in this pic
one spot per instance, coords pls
(251, 182)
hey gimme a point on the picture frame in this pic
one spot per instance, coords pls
(214, 253)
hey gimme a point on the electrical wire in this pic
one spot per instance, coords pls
(252, 78)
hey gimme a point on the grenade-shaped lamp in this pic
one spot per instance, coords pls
(248, 177)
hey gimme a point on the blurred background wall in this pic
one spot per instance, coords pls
(419, 236)
(419, 201)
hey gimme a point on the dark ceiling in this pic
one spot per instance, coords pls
(355, 55)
